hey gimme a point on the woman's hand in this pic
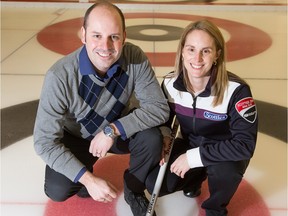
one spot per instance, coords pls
(180, 166)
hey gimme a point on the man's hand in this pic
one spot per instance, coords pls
(100, 145)
(99, 189)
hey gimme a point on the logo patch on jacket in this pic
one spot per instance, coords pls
(247, 109)
(214, 116)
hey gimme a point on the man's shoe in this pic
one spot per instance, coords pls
(83, 193)
(137, 202)
(192, 193)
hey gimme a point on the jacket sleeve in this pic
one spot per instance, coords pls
(243, 124)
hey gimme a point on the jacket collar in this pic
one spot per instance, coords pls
(179, 85)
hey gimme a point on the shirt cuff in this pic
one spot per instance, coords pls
(80, 174)
(193, 157)
(120, 129)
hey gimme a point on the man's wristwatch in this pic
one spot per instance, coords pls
(109, 131)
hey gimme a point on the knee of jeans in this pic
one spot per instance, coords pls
(56, 195)
(153, 138)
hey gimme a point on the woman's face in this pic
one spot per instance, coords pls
(199, 53)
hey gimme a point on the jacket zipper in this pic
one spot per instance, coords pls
(194, 114)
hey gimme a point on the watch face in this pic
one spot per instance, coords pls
(108, 130)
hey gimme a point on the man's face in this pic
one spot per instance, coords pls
(104, 37)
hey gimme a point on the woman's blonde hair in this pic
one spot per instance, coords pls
(219, 74)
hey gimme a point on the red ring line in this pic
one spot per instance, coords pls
(241, 204)
(245, 41)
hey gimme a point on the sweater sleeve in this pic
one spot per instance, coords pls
(153, 109)
(48, 129)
